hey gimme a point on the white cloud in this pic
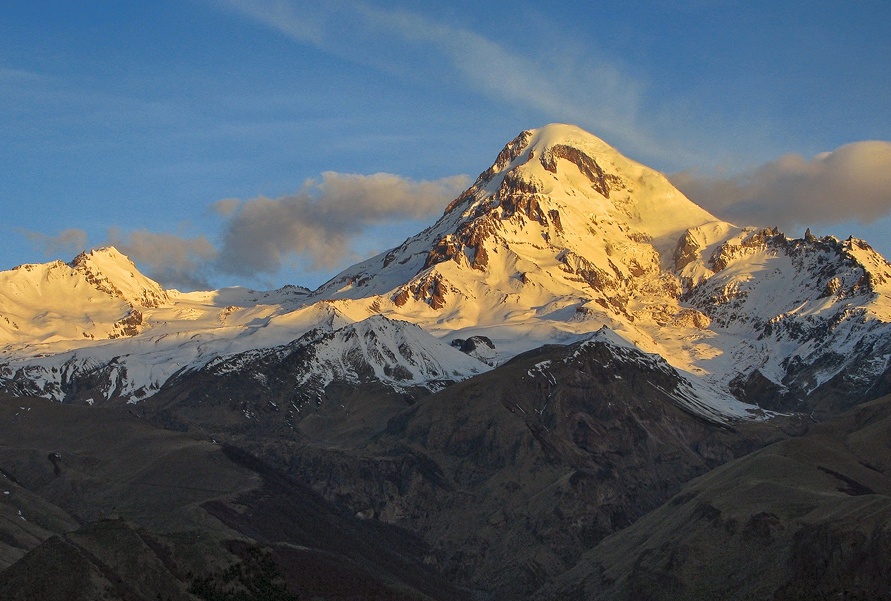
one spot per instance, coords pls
(851, 183)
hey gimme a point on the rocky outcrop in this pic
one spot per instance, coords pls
(432, 289)
(511, 151)
(602, 182)
(686, 251)
(479, 347)
(131, 325)
(801, 519)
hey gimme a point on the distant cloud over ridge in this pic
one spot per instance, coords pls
(68, 242)
(173, 260)
(851, 183)
(320, 222)
(317, 227)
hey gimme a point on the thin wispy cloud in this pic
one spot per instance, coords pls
(303, 26)
(578, 88)
(8, 75)
(852, 183)
(592, 93)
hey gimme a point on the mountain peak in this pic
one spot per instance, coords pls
(99, 294)
(566, 164)
(560, 236)
(538, 142)
(556, 140)
(112, 272)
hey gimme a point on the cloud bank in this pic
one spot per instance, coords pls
(317, 228)
(851, 183)
(175, 261)
(320, 223)
(70, 241)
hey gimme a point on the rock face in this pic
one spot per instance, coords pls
(512, 475)
(479, 347)
(313, 381)
(802, 519)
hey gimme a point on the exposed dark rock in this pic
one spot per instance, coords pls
(508, 155)
(129, 325)
(771, 525)
(686, 251)
(480, 347)
(513, 474)
(600, 181)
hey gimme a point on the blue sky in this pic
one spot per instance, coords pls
(238, 141)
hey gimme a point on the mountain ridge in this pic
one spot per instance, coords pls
(560, 237)
(498, 408)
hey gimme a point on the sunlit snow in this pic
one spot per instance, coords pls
(562, 237)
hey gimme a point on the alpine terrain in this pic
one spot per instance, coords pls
(576, 384)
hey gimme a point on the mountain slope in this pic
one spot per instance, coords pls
(801, 519)
(328, 384)
(185, 332)
(106, 506)
(99, 294)
(631, 340)
(800, 318)
(512, 474)
(563, 235)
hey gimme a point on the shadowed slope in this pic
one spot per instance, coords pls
(133, 511)
(806, 518)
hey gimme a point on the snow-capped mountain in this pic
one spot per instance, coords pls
(106, 332)
(280, 386)
(561, 237)
(795, 317)
(378, 349)
(99, 294)
(560, 230)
